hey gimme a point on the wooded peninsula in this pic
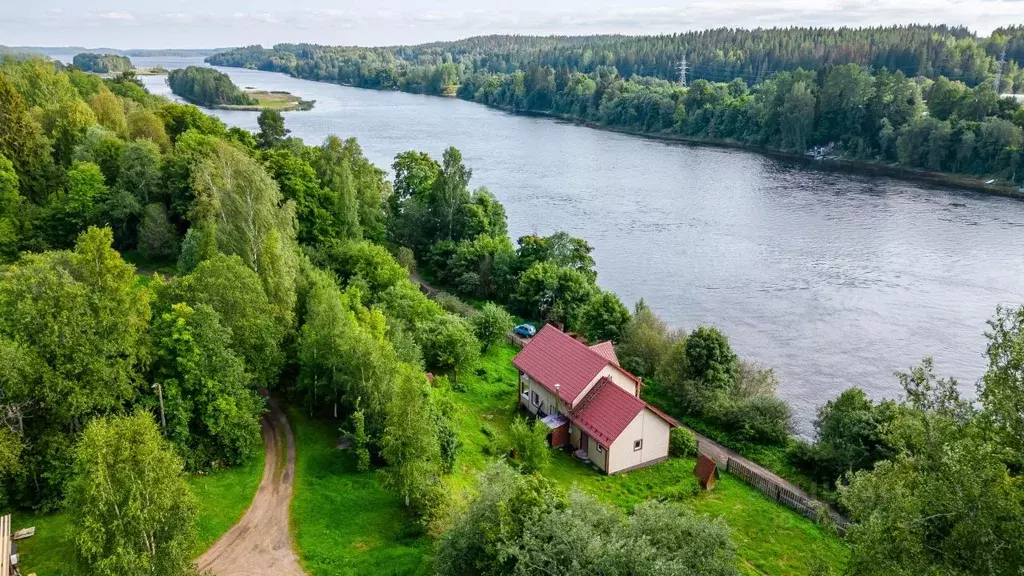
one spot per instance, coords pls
(213, 89)
(918, 97)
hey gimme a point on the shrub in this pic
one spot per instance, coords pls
(762, 419)
(453, 304)
(448, 344)
(492, 324)
(529, 446)
(682, 443)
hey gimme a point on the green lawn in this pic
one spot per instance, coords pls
(346, 524)
(343, 521)
(223, 498)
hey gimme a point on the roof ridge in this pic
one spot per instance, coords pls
(587, 346)
(598, 386)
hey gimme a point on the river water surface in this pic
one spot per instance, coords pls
(833, 279)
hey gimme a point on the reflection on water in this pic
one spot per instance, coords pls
(833, 279)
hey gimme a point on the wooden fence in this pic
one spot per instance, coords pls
(516, 340)
(783, 495)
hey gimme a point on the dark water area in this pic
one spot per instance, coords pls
(833, 279)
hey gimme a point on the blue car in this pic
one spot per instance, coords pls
(525, 330)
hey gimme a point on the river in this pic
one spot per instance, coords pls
(833, 279)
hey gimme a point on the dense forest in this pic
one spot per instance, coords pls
(286, 268)
(207, 87)
(102, 63)
(919, 97)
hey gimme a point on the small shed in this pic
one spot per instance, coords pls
(706, 472)
(559, 426)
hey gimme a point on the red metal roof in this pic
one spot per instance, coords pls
(607, 350)
(606, 411)
(553, 357)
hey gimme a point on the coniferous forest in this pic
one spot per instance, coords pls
(917, 96)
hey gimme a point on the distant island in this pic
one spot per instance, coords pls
(136, 52)
(102, 63)
(208, 87)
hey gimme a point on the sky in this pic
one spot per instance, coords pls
(223, 23)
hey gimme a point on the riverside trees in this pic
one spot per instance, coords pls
(856, 88)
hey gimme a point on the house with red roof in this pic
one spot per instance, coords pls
(590, 402)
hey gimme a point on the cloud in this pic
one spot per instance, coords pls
(239, 22)
(116, 16)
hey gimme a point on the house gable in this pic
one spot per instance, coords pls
(618, 376)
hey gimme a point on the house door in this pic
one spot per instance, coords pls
(584, 441)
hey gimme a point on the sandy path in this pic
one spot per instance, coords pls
(260, 544)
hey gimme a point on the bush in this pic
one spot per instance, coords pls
(762, 419)
(529, 446)
(448, 344)
(492, 324)
(454, 305)
(682, 443)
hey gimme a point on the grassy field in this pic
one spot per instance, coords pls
(343, 522)
(346, 524)
(223, 497)
(265, 100)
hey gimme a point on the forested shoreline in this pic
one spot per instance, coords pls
(285, 267)
(207, 87)
(913, 97)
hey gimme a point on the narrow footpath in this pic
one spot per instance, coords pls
(260, 544)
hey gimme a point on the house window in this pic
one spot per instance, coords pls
(536, 398)
(638, 444)
(600, 449)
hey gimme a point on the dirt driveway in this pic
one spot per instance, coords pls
(260, 544)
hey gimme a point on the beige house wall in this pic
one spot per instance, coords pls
(547, 399)
(654, 433)
(616, 375)
(595, 456)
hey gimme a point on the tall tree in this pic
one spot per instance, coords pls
(131, 508)
(272, 131)
(252, 223)
(335, 175)
(235, 292)
(212, 412)
(450, 192)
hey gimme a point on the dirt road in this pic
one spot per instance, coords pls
(260, 544)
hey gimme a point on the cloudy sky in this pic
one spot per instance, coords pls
(219, 23)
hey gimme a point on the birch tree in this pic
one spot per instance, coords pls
(252, 223)
(131, 508)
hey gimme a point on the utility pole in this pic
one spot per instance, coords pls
(682, 72)
(160, 394)
(998, 80)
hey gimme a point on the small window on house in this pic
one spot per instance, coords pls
(638, 444)
(600, 449)
(536, 399)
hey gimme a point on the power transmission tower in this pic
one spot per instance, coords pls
(682, 72)
(998, 80)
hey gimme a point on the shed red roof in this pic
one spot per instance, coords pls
(607, 350)
(553, 357)
(606, 411)
(705, 469)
